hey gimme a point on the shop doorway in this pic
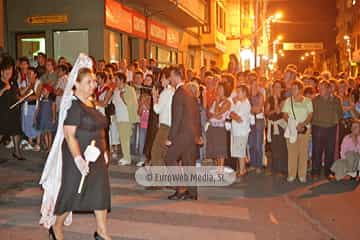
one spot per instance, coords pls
(29, 45)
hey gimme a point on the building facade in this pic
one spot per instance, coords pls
(348, 36)
(195, 33)
(105, 29)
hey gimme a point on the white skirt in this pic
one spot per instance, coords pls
(238, 146)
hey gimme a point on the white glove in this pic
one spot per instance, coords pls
(82, 165)
(106, 157)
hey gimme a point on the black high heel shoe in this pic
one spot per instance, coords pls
(98, 237)
(52, 234)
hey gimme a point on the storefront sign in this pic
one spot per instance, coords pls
(139, 25)
(310, 46)
(157, 32)
(172, 38)
(117, 17)
(49, 19)
(124, 19)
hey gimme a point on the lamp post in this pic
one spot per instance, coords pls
(348, 50)
(313, 54)
(275, 43)
(267, 24)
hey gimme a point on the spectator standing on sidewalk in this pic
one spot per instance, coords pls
(256, 137)
(29, 109)
(217, 141)
(162, 107)
(276, 129)
(240, 113)
(126, 106)
(327, 114)
(298, 112)
(10, 119)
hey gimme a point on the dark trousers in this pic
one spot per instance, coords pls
(179, 154)
(279, 153)
(256, 143)
(323, 140)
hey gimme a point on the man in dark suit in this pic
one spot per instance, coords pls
(185, 132)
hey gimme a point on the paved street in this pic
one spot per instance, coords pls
(261, 207)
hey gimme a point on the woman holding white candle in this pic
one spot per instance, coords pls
(83, 124)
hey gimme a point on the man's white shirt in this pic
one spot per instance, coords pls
(163, 107)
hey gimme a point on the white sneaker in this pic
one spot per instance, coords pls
(126, 163)
(140, 164)
(10, 145)
(123, 162)
(28, 147)
(302, 180)
(290, 179)
(24, 142)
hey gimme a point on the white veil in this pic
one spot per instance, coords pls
(51, 176)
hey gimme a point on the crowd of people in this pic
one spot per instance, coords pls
(288, 123)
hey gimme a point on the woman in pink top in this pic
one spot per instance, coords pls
(351, 143)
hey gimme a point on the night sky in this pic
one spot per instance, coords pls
(305, 21)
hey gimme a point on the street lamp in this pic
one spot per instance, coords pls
(306, 54)
(278, 16)
(302, 58)
(313, 58)
(348, 50)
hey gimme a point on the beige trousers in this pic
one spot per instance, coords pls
(298, 156)
(125, 132)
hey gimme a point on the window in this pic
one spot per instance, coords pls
(164, 56)
(192, 61)
(206, 27)
(113, 46)
(70, 44)
(153, 52)
(220, 18)
(29, 45)
(174, 57)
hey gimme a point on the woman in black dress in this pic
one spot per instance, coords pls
(10, 119)
(82, 125)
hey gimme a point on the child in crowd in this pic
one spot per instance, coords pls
(46, 115)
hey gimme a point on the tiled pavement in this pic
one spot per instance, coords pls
(258, 208)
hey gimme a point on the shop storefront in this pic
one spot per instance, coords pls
(55, 29)
(141, 37)
(114, 33)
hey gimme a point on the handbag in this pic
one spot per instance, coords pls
(292, 108)
(110, 109)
